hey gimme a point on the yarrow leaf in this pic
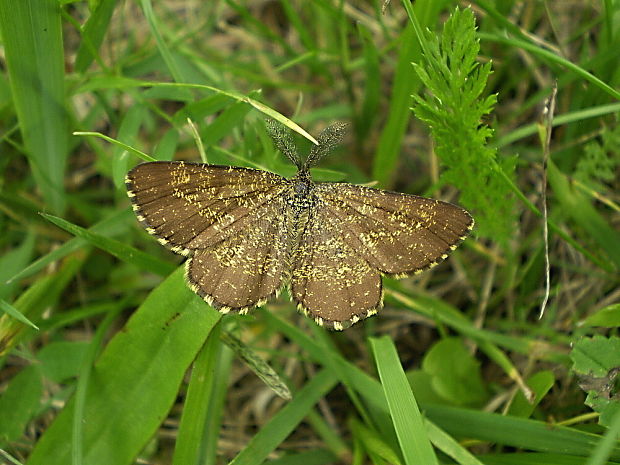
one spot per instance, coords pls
(453, 107)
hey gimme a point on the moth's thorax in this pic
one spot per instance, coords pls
(301, 194)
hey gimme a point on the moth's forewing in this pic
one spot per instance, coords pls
(226, 219)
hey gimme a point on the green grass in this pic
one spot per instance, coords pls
(106, 357)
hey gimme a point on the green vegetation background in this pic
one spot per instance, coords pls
(107, 358)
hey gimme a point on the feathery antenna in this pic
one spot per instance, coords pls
(283, 140)
(328, 140)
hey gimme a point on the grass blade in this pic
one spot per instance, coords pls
(551, 57)
(607, 443)
(111, 225)
(35, 300)
(92, 35)
(408, 423)
(192, 429)
(115, 248)
(515, 432)
(10, 310)
(405, 84)
(585, 214)
(281, 425)
(33, 47)
(449, 446)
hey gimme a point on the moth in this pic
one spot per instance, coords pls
(247, 233)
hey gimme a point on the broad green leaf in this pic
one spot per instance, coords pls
(135, 380)
(608, 317)
(455, 374)
(597, 359)
(61, 360)
(19, 403)
(596, 356)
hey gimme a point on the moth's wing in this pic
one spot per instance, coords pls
(330, 281)
(357, 233)
(228, 220)
(244, 269)
(397, 234)
(190, 206)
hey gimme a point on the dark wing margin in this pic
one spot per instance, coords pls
(227, 220)
(189, 206)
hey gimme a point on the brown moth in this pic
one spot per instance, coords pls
(247, 232)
